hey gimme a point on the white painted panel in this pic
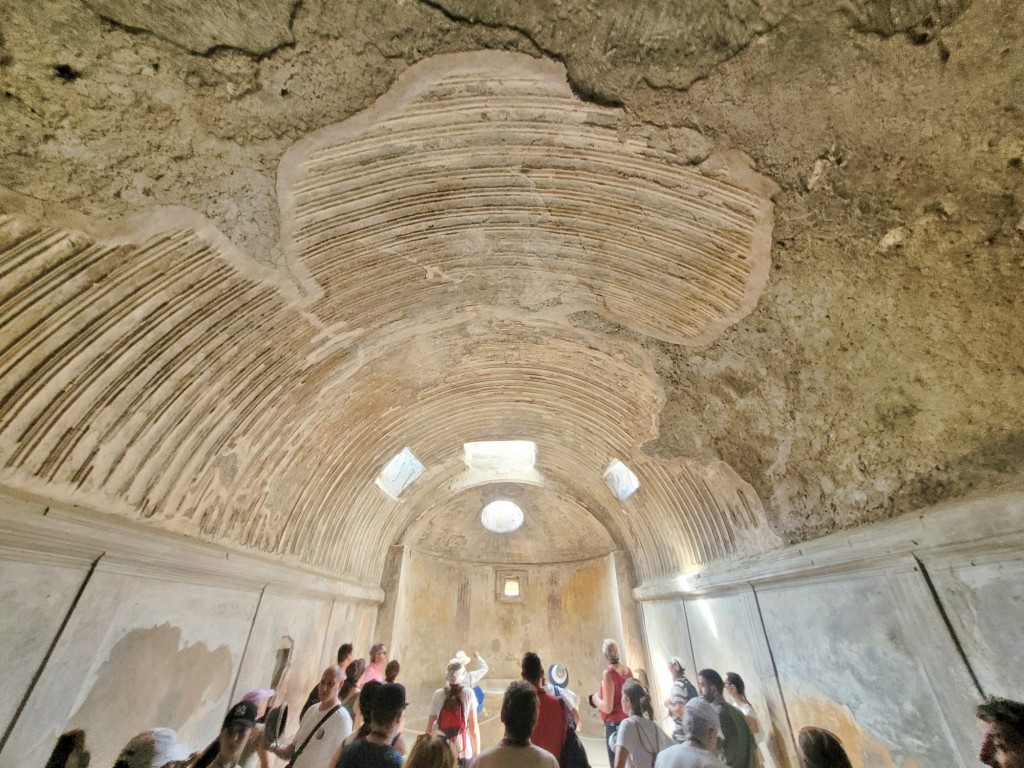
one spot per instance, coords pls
(137, 653)
(985, 605)
(34, 599)
(727, 637)
(863, 656)
(667, 636)
(302, 619)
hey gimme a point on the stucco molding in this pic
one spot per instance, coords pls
(32, 531)
(990, 528)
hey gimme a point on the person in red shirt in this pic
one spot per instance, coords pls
(608, 700)
(549, 732)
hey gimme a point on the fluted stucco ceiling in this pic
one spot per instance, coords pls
(766, 255)
(440, 245)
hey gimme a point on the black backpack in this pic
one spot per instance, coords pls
(573, 754)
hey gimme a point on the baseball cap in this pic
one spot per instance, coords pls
(152, 749)
(243, 712)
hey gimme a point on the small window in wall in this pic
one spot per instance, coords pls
(510, 586)
(282, 660)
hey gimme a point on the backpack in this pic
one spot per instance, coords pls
(451, 720)
(574, 754)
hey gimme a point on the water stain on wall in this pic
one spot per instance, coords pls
(814, 709)
(150, 679)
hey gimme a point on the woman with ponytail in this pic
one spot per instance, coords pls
(639, 739)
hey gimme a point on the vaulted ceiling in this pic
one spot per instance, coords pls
(773, 268)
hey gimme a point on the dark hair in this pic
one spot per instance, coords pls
(391, 670)
(353, 672)
(712, 678)
(532, 669)
(736, 682)
(388, 703)
(519, 710)
(344, 652)
(821, 749)
(639, 699)
(366, 697)
(1006, 713)
(68, 744)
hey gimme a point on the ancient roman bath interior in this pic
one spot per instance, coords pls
(725, 298)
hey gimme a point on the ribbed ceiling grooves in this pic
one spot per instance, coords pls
(480, 180)
(446, 239)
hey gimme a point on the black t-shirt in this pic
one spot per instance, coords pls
(366, 754)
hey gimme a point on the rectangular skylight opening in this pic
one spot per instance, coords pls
(620, 480)
(399, 473)
(501, 456)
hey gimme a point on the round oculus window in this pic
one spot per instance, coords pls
(501, 517)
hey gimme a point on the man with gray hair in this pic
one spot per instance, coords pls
(375, 668)
(700, 720)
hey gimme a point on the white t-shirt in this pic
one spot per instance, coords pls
(325, 741)
(503, 756)
(687, 755)
(643, 739)
(468, 699)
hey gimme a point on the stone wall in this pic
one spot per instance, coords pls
(119, 630)
(888, 638)
(565, 612)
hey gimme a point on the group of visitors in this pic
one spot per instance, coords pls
(708, 731)
(357, 719)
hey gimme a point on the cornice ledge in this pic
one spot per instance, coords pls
(990, 528)
(32, 531)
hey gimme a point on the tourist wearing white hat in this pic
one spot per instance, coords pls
(699, 750)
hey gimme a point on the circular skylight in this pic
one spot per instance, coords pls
(501, 517)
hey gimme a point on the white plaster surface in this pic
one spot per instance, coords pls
(137, 653)
(34, 599)
(727, 636)
(866, 656)
(302, 619)
(985, 604)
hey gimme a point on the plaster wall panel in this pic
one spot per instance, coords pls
(565, 612)
(136, 653)
(301, 620)
(667, 635)
(867, 656)
(34, 600)
(984, 601)
(351, 622)
(728, 636)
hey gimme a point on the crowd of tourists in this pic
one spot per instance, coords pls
(355, 718)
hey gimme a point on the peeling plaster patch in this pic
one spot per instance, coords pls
(158, 677)
(816, 710)
(677, 43)
(257, 27)
(918, 18)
